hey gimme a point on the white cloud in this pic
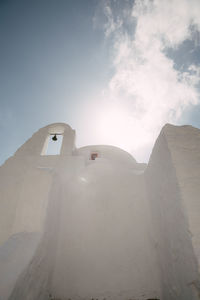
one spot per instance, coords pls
(111, 25)
(145, 82)
(170, 21)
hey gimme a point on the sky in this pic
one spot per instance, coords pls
(116, 71)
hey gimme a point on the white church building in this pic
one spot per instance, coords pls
(92, 223)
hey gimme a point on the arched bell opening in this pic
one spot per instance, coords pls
(54, 144)
(54, 140)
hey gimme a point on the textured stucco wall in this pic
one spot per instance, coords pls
(184, 145)
(25, 186)
(105, 231)
(171, 217)
(97, 234)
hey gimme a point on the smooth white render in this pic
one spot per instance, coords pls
(109, 228)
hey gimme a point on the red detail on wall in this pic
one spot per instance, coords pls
(93, 156)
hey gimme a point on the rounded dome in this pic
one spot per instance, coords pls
(111, 153)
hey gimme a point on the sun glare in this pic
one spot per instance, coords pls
(112, 123)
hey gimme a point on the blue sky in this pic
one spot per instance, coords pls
(116, 71)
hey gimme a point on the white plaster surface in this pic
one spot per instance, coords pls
(173, 179)
(109, 228)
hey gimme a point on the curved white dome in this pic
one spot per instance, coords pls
(107, 152)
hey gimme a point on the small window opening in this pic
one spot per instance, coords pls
(93, 156)
(54, 144)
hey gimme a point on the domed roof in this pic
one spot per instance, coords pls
(111, 153)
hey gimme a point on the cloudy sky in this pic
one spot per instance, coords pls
(116, 71)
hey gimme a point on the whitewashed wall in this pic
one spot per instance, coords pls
(76, 228)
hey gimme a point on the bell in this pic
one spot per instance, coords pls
(54, 138)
